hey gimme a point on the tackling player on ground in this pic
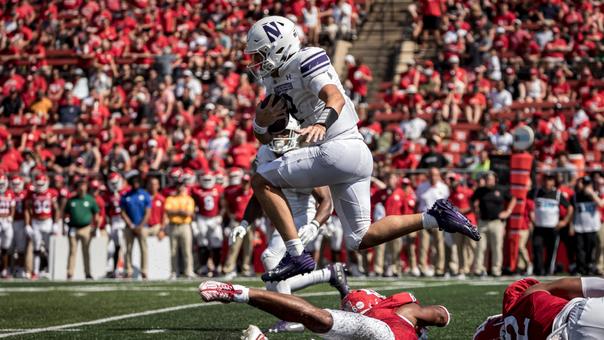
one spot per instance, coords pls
(566, 309)
(366, 314)
(302, 82)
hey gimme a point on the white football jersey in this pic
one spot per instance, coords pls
(301, 200)
(300, 83)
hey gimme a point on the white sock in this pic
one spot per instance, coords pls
(429, 222)
(304, 280)
(36, 264)
(243, 296)
(279, 287)
(294, 247)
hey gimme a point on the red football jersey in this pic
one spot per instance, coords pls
(208, 201)
(386, 311)
(7, 201)
(112, 200)
(19, 199)
(530, 316)
(237, 199)
(42, 204)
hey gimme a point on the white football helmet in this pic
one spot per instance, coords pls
(286, 140)
(272, 41)
(208, 181)
(41, 183)
(114, 183)
(17, 184)
(188, 176)
(235, 176)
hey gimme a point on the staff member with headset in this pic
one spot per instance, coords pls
(81, 210)
(493, 205)
(586, 224)
(547, 222)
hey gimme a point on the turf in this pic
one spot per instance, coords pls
(31, 305)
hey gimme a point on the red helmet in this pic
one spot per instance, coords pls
(235, 176)
(3, 183)
(41, 183)
(188, 176)
(361, 300)
(114, 182)
(208, 180)
(490, 329)
(17, 184)
(175, 175)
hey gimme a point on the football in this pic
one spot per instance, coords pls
(274, 100)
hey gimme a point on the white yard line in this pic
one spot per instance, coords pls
(110, 319)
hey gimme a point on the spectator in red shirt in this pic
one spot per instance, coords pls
(389, 201)
(241, 153)
(361, 76)
(432, 11)
(460, 198)
(156, 221)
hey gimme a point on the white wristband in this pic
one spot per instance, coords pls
(316, 223)
(259, 129)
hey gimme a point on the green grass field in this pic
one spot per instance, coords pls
(172, 309)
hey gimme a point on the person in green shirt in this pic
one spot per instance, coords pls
(80, 211)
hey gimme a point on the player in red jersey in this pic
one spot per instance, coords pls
(7, 211)
(209, 222)
(236, 198)
(115, 223)
(568, 308)
(21, 233)
(366, 314)
(43, 214)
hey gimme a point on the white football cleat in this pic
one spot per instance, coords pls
(253, 333)
(217, 291)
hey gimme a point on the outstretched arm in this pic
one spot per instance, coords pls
(571, 287)
(424, 316)
(291, 308)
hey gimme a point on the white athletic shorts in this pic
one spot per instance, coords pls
(6, 233)
(210, 231)
(117, 230)
(345, 165)
(355, 326)
(580, 319)
(42, 231)
(20, 236)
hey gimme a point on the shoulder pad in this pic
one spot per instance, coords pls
(313, 60)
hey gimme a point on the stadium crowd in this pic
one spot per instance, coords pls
(96, 94)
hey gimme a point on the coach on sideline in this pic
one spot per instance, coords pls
(136, 207)
(179, 210)
(81, 210)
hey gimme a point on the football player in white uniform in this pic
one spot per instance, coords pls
(302, 82)
(308, 206)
